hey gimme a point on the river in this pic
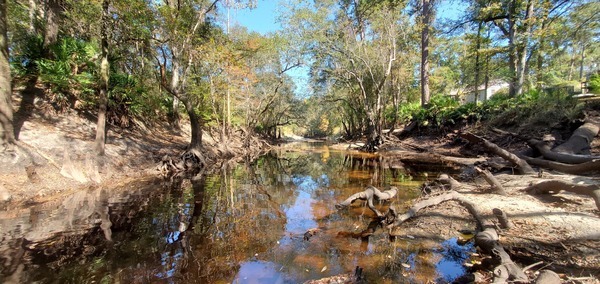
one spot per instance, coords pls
(242, 224)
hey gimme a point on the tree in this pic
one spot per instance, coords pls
(176, 35)
(104, 75)
(7, 133)
(353, 47)
(426, 21)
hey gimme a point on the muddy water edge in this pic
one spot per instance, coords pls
(244, 224)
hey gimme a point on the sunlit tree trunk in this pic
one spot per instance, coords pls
(477, 63)
(103, 98)
(426, 21)
(52, 14)
(33, 7)
(7, 133)
(512, 49)
(522, 49)
(542, 45)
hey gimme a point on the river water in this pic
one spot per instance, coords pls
(242, 224)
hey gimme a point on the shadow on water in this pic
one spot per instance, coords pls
(243, 225)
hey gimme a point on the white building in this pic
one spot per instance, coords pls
(482, 94)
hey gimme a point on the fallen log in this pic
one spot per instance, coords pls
(519, 163)
(370, 194)
(586, 167)
(556, 186)
(545, 149)
(428, 158)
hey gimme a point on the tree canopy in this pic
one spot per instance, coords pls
(368, 60)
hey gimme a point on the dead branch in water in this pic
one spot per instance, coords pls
(370, 194)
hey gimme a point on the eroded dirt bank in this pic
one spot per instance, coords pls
(54, 154)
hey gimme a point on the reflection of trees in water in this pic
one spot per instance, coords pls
(199, 229)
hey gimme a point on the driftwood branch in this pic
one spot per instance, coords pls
(370, 194)
(556, 186)
(519, 163)
(450, 181)
(496, 186)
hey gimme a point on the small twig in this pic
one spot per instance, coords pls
(531, 266)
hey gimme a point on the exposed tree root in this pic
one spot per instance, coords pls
(487, 238)
(189, 161)
(556, 186)
(579, 142)
(520, 164)
(590, 166)
(545, 149)
(370, 194)
(496, 186)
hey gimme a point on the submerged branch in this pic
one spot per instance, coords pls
(370, 194)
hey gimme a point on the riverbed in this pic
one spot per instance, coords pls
(239, 224)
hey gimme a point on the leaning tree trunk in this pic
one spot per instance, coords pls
(7, 133)
(370, 194)
(103, 99)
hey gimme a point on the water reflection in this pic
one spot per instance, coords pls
(243, 224)
(259, 272)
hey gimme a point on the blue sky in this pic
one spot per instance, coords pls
(263, 19)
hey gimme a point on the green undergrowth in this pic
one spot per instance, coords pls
(531, 108)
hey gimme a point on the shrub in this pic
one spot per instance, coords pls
(71, 73)
(594, 83)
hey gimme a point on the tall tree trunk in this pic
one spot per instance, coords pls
(582, 63)
(426, 21)
(33, 7)
(571, 64)
(522, 49)
(477, 69)
(103, 98)
(175, 117)
(542, 45)
(512, 49)
(7, 132)
(53, 11)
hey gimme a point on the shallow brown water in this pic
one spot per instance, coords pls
(240, 225)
